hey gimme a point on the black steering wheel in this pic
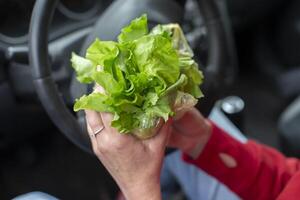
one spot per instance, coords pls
(219, 71)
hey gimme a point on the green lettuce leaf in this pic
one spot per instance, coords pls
(94, 101)
(155, 55)
(83, 67)
(108, 82)
(102, 53)
(146, 76)
(137, 28)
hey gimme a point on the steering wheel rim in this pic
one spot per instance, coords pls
(219, 63)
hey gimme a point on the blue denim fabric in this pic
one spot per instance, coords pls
(195, 183)
(35, 196)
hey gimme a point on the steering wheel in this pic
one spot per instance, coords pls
(219, 71)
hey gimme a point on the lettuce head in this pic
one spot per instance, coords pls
(147, 76)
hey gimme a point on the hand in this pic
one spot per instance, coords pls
(134, 164)
(190, 132)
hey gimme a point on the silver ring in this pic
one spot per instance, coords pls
(97, 131)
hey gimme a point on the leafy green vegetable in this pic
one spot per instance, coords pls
(83, 67)
(137, 28)
(147, 76)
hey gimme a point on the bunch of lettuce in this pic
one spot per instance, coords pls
(147, 76)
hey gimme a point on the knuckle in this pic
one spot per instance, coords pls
(115, 144)
(118, 144)
(109, 144)
(101, 149)
(103, 144)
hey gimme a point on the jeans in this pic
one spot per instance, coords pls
(35, 196)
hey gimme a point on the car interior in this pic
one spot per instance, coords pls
(248, 51)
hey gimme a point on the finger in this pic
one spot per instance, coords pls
(93, 140)
(192, 120)
(177, 139)
(94, 120)
(161, 138)
(107, 119)
(179, 114)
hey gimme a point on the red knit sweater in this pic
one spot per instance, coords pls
(261, 173)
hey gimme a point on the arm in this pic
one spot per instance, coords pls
(252, 170)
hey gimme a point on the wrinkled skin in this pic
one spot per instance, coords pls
(136, 164)
(190, 131)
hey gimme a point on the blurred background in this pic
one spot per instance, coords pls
(34, 155)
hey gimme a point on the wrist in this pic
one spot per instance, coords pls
(145, 191)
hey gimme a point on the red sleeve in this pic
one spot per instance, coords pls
(291, 191)
(261, 172)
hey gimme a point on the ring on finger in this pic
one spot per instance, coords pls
(96, 132)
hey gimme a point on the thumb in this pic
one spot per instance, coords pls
(161, 138)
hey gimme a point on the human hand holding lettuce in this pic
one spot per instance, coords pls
(147, 76)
